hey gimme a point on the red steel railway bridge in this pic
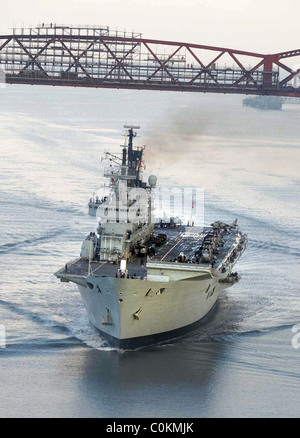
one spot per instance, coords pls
(94, 56)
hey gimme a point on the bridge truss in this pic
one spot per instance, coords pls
(98, 57)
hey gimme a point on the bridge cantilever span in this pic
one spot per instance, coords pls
(98, 57)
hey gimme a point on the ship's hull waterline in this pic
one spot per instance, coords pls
(132, 314)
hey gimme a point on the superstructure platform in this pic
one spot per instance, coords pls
(180, 240)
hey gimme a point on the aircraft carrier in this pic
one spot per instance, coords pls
(145, 282)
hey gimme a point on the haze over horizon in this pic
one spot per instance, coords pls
(240, 24)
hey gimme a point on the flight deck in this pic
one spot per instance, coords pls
(180, 246)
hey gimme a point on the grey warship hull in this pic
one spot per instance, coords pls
(161, 300)
(135, 343)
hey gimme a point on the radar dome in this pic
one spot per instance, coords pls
(152, 180)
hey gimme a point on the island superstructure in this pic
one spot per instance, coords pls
(144, 282)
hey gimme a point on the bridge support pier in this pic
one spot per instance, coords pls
(268, 72)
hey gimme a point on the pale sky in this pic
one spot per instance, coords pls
(265, 26)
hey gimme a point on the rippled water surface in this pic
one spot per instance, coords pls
(241, 362)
